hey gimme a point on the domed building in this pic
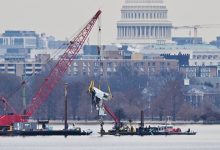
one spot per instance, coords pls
(144, 22)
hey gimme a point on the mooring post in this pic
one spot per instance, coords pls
(65, 103)
(24, 93)
(142, 119)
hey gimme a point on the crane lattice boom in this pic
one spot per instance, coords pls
(63, 64)
(196, 27)
(55, 75)
(112, 114)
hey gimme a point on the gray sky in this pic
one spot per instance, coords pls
(62, 18)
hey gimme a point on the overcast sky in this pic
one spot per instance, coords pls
(62, 18)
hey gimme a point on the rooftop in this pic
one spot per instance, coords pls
(13, 33)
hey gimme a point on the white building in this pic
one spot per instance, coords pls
(21, 68)
(205, 58)
(144, 22)
(12, 39)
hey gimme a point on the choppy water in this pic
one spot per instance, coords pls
(207, 138)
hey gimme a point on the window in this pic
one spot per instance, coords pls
(109, 64)
(162, 64)
(75, 64)
(37, 65)
(31, 42)
(1, 41)
(37, 70)
(96, 64)
(18, 41)
(209, 57)
(6, 41)
(29, 65)
(11, 69)
(11, 65)
(75, 73)
(28, 69)
(153, 64)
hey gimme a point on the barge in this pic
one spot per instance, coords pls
(147, 131)
(120, 128)
(45, 133)
(30, 129)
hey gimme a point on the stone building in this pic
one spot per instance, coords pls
(196, 94)
(144, 22)
(149, 67)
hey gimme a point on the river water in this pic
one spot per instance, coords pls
(207, 138)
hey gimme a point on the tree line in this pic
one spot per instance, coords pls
(160, 95)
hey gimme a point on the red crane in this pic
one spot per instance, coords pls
(54, 76)
(111, 113)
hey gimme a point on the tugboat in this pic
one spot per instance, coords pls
(168, 129)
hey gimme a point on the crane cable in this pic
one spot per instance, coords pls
(101, 58)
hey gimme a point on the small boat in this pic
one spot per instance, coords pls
(169, 130)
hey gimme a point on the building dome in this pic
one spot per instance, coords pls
(144, 22)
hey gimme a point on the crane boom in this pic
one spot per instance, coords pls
(6, 104)
(63, 64)
(54, 76)
(112, 114)
(196, 27)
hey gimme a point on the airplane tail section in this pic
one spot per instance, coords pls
(91, 86)
(109, 91)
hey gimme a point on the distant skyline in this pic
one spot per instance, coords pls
(63, 18)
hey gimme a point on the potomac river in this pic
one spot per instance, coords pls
(207, 138)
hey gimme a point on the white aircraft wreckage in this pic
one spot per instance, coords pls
(98, 97)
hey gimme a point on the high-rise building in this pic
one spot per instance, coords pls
(144, 22)
(18, 40)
